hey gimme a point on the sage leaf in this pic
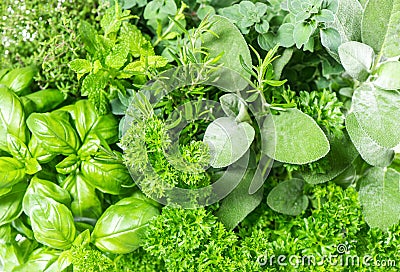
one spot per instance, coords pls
(340, 156)
(231, 43)
(378, 112)
(228, 140)
(380, 26)
(288, 197)
(348, 20)
(369, 150)
(293, 137)
(380, 197)
(357, 59)
(388, 76)
(239, 203)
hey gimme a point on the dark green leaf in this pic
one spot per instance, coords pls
(288, 197)
(239, 203)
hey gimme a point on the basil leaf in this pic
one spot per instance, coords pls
(19, 79)
(88, 122)
(12, 118)
(294, 137)
(11, 203)
(52, 222)
(54, 133)
(42, 259)
(108, 176)
(122, 226)
(38, 152)
(48, 189)
(288, 197)
(228, 140)
(85, 202)
(12, 171)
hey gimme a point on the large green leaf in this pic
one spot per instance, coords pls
(12, 171)
(231, 43)
(294, 137)
(380, 197)
(388, 75)
(369, 150)
(54, 133)
(52, 222)
(122, 226)
(381, 26)
(228, 140)
(48, 189)
(288, 197)
(378, 113)
(341, 155)
(357, 58)
(12, 117)
(348, 20)
(11, 203)
(107, 175)
(239, 203)
(85, 202)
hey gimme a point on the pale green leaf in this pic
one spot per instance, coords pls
(357, 59)
(381, 26)
(348, 20)
(378, 113)
(341, 155)
(228, 140)
(388, 75)
(294, 137)
(380, 197)
(369, 150)
(302, 33)
(231, 43)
